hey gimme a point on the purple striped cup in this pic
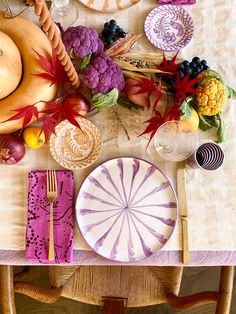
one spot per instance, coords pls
(208, 156)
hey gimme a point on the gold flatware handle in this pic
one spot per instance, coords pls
(185, 252)
(183, 211)
(51, 255)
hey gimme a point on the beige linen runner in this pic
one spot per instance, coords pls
(211, 196)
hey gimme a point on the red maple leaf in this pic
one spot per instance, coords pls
(54, 108)
(184, 87)
(149, 86)
(65, 110)
(27, 113)
(48, 126)
(157, 96)
(153, 124)
(169, 65)
(173, 113)
(54, 70)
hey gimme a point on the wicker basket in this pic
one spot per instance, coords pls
(49, 27)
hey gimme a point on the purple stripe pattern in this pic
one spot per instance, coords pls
(126, 209)
(169, 27)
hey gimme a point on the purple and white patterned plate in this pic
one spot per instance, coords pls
(169, 27)
(126, 209)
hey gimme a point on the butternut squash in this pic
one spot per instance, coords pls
(10, 65)
(26, 36)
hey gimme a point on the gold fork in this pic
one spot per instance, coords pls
(51, 195)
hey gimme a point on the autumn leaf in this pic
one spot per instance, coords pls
(173, 113)
(149, 86)
(26, 113)
(179, 111)
(48, 126)
(70, 113)
(169, 65)
(157, 96)
(153, 124)
(184, 87)
(54, 108)
(54, 70)
(65, 110)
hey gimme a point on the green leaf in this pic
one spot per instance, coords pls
(231, 92)
(85, 62)
(71, 53)
(186, 110)
(80, 64)
(102, 101)
(221, 129)
(205, 79)
(123, 101)
(208, 122)
(215, 74)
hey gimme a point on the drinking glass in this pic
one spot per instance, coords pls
(175, 141)
(64, 12)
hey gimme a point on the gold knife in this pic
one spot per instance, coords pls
(183, 212)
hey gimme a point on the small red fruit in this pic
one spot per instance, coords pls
(83, 105)
(131, 93)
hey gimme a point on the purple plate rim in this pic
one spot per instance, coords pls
(174, 193)
(154, 42)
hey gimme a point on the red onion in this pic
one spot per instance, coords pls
(12, 150)
(83, 105)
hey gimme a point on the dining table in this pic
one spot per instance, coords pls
(210, 195)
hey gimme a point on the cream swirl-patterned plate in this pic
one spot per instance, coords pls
(73, 148)
(108, 5)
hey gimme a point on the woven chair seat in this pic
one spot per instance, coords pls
(142, 286)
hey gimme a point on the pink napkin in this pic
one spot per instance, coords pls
(177, 1)
(37, 231)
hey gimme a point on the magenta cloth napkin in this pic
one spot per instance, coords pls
(177, 1)
(37, 231)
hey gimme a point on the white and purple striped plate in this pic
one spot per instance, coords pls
(126, 209)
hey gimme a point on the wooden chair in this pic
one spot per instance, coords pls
(116, 287)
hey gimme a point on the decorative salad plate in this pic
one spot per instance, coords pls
(108, 5)
(169, 27)
(126, 209)
(73, 148)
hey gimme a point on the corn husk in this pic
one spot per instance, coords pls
(146, 57)
(123, 45)
(139, 64)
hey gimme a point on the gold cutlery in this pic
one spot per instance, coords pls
(51, 195)
(183, 212)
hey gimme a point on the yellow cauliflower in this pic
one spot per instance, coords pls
(211, 97)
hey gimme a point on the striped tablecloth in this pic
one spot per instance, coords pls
(211, 196)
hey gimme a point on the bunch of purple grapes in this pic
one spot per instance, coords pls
(195, 67)
(112, 32)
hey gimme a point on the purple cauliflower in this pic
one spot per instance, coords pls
(103, 75)
(82, 40)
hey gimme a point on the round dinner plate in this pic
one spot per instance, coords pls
(126, 209)
(169, 27)
(108, 5)
(75, 148)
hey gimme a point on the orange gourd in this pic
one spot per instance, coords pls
(10, 65)
(28, 37)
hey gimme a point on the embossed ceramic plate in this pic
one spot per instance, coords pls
(108, 5)
(169, 27)
(75, 149)
(126, 209)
